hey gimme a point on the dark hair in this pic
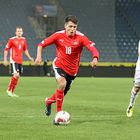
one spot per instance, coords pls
(71, 18)
(19, 27)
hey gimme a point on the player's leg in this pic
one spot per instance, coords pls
(15, 68)
(134, 94)
(133, 97)
(16, 77)
(69, 80)
(68, 86)
(59, 93)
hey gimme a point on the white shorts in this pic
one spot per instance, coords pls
(16, 68)
(137, 78)
(57, 75)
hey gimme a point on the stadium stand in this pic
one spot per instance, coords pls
(17, 12)
(131, 11)
(104, 23)
(112, 25)
(127, 34)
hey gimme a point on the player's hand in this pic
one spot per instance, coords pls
(31, 58)
(38, 61)
(5, 63)
(94, 62)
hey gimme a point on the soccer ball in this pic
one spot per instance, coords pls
(62, 117)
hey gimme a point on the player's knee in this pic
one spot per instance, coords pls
(62, 84)
(137, 89)
(16, 75)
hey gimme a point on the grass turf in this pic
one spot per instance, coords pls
(97, 107)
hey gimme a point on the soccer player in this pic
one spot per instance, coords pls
(136, 87)
(17, 45)
(69, 45)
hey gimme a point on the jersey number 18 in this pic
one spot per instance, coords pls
(68, 50)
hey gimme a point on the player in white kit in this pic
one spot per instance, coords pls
(136, 87)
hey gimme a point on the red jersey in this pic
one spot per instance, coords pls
(16, 47)
(68, 50)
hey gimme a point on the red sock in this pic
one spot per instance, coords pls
(12, 84)
(51, 99)
(59, 99)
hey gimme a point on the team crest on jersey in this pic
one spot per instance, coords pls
(75, 43)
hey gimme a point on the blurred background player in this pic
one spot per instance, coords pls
(69, 44)
(17, 45)
(136, 87)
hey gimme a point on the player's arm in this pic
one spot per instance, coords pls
(28, 55)
(94, 62)
(5, 62)
(91, 47)
(95, 55)
(39, 55)
(46, 42)
(8, 46)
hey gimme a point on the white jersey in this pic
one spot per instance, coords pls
(138, 61)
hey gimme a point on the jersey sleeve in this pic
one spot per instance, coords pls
(8, 45)
(90, 46)
(48, 41)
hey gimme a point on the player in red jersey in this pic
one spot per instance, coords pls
(17, 45)
(69, 44)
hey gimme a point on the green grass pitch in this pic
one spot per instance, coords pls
(97, 107)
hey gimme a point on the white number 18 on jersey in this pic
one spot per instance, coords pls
(68, 50)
